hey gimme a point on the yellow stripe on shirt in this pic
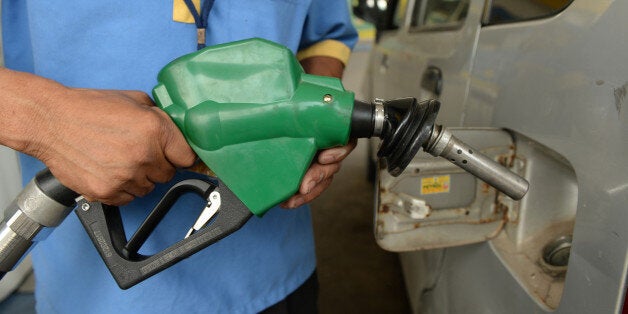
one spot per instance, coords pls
(327, 48)
(180, 12)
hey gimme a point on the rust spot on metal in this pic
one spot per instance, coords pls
(505, 216)
(507, 219)
(385, 209)
(507, 161)
(501, 159)
(501, 208)
(485, 220)
(417, 225)
(485, 187)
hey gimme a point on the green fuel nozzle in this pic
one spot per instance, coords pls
(256, 119)
(253, 116)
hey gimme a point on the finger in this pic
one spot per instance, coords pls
(336, 154)
(175, 147)
(316, 174)
(139, 188)
(122, 198)
(119, 199)
(301, 199)
(316, 191)
(289, 203)
(110, 191)
(162, 172)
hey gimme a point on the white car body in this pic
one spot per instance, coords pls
(549, 96)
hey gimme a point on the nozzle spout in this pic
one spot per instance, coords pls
(406, 125)
(444, 144)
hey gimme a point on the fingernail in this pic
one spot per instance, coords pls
(333, 157)
(327, 159)
(296, 202)
(310, 185)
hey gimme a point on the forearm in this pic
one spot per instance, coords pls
(107, 145)
(24, 108)
(322, 65)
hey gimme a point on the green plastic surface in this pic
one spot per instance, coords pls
(253, 116)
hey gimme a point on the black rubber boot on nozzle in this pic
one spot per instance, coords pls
(404, 125)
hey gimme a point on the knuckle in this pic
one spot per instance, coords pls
(137, 96)
(125, 176)
(145, 189)
(153, 123)
(101, 192)
(121, 199)
(141, 96)
(149, 123)
(183, 159)
(163, 175)
(168, 174)
(140, 159)
(328, 171)
(190, 159)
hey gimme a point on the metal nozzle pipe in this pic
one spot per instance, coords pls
(406, 125)
(443, 143)
(44, 202)
(15, 243)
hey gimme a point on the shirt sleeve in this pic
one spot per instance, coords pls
(328, 31)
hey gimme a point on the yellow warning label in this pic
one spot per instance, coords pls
(433, 185)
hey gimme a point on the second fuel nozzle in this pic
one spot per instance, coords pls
(405, 125)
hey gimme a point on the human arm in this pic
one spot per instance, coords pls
(327, 38)
(109, 146)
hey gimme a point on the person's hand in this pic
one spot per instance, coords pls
(109, 146)
(320, 174)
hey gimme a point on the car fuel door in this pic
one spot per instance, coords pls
(435, 204)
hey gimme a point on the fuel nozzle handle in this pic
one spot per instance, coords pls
(406, 125)
(44, 202)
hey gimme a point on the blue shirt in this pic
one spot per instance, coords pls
(122, 45)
